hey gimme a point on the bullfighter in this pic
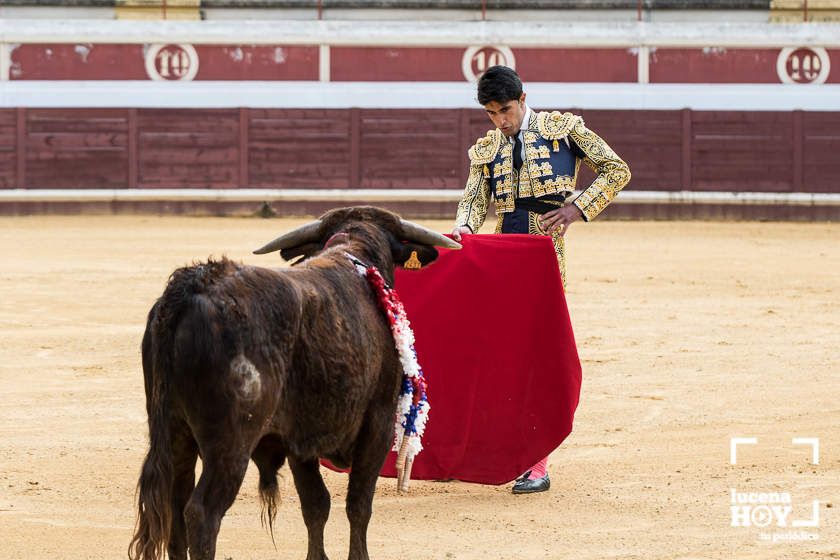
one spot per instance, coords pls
(528, 165)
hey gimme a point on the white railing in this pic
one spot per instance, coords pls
(391, 195)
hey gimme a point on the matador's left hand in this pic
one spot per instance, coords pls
(560, 219)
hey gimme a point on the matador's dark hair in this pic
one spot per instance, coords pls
(500, 84)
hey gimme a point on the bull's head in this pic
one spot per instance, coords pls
(411, 245)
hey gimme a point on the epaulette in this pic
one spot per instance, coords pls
(556, 125)
(486, 148)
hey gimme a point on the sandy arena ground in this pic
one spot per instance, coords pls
(690, 333)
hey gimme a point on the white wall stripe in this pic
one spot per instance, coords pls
(391, 195)
(5, 61)
(324, 63)
(643, 64)
(541, 33)
(413, 95)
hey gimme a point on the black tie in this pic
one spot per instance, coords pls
(517, 153)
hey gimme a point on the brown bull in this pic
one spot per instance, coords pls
(244, 362)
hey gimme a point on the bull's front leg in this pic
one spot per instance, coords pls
(368, 458)
(314, 503)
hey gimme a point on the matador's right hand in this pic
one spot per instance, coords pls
(457, 231)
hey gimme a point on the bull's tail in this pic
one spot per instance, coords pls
(269, 500)
(269, 457)
(154, 489)
(154, 511)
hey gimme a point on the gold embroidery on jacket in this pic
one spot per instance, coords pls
(472, 209)
(613, 172)
(537, 178)
(553, 185)
(556, 125)
(504, 204)
(535, 228)
(504, 178)
(476, 199)
(542, 153)
(486, 148)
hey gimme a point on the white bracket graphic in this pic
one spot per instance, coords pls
(815, 447)
(733, 447)
(815, 517)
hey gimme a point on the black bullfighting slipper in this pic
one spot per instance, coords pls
(523, 476)
(526, 486)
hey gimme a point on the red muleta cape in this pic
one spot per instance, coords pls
(495, 343)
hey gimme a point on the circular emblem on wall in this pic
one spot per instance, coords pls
(171, 62)
(478, 59)
(803, 65)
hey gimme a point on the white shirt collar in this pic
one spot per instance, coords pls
(523, 125)
(525, 120)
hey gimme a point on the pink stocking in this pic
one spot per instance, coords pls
(539, 470)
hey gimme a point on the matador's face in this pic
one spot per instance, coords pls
(507, 116)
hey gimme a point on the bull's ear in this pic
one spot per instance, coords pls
(299, 252)
(414, 256)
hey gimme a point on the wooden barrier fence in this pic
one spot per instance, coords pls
(737, 151)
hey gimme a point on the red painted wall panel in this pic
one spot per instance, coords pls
(400, 64)
(257, 62)
(127, 62)
(742, 151)
(8, 151)
(713, 65)
(278, 62)
(834, 75)
(99, 148)
(649, 141)
(445, 64)
(577, 65)
(821, 146)
(188, 148)
(410, 148)
(294, 148)
(77, 62)
(721, 65)
(76, 148)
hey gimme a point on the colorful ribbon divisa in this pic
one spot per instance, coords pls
(412, 405)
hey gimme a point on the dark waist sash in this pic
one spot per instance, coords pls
(540, 206)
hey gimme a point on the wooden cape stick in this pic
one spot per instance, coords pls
(403, 466)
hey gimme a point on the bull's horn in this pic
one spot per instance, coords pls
(420, 234)
(306, 233)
